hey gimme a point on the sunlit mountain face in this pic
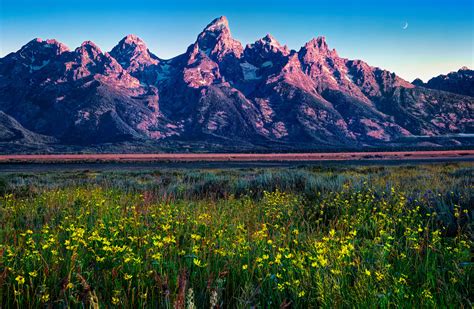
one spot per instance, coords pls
(222, 95)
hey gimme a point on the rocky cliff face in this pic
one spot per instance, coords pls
(221, 94)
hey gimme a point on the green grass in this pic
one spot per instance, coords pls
(296, 237)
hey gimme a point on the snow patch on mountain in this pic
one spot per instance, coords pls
(349, 78)
(165, 72)
(249, 71)
(39, 67)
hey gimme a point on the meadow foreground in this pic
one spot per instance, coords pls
(288, 237)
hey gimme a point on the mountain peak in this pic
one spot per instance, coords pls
(218, 24)
(270, 40)
(49, 43)
(319, 46)
(90, 46)
(269, 43)
(418, 82)
(216, 40)
(316, 50)
(39, 52)
(40, 40)
(216, 31)
(132, 53)
(464, 68)
(131, 45)
(132, 39)
(319, 42)
(88, 52)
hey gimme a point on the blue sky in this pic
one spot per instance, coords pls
(439, 37)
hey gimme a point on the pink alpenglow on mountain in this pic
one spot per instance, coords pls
(219, 95)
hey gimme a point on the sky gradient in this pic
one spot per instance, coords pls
(439, 37)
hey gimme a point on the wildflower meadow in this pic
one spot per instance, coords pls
(289, 237)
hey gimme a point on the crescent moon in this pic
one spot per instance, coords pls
(405, 26)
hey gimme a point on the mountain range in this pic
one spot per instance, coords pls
(221, 96)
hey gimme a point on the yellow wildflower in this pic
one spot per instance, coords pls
(45, 297)
(20, 279)
(198, 263)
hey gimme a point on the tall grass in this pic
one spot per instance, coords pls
(312, 237)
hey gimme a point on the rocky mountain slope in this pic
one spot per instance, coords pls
(460, 82)
(220, 95)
